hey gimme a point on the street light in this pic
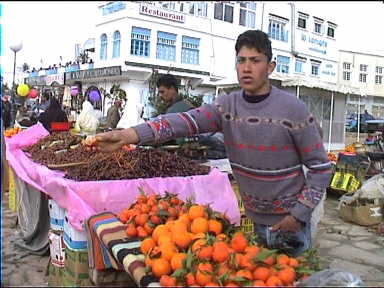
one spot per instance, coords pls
(15, 48)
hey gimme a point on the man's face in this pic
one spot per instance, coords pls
(167, 94)
(253, 70)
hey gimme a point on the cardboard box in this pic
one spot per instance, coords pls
(365, 212)
(76, 267)
(74, 238)
(56, 213)
(56, 248)
(55, 275)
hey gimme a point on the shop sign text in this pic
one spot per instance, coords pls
(158, 12)
(94, 73)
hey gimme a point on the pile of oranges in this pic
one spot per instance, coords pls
(13, 131)
(350, 148)
(332, 157)
(190, 245)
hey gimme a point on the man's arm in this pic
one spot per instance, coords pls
(163, 128)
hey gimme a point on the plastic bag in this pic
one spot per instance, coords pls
(333, 278)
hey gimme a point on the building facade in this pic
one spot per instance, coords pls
(195, 42)
(364, 72)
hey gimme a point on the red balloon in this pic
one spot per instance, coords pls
(33, 93)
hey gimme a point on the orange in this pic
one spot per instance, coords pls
(258, 283)
(196, 211)
(287, 275)
(167, 281)
(177, 261)
(293, 262)
(168, 249)
(190, 279)
(146, 245)
(181, 239)
(282, 259)
(244, 274)
(159, 230)
(160, 267)
(199, 225)
(261, 273)
(274, 281)
(239, 242)
(205, 253)
(215, 226)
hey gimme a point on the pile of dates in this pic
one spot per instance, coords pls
(64, 148)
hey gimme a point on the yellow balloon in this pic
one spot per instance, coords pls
(23, 90)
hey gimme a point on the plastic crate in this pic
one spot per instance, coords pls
(240, 203)
(60, 126)
(246, 225)
(345, 182)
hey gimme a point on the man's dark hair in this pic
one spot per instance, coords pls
(47, 95)
(167, 80)
(255, 39)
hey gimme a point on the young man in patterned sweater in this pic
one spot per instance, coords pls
(269, 136)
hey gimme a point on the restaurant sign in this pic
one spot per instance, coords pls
(93, 73)
(161, 13)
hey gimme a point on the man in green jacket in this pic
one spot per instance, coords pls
(168, 91)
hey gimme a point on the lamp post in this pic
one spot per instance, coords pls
(15, 48)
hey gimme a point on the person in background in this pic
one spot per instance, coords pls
(269, 135)
(45, 101)
(6, 111)
(54, 113)
(87, 121)
(113, 114)
(169, 93)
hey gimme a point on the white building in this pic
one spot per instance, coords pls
(195, 42)
(364, 72)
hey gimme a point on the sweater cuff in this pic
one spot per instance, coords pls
(302, 212)
(145, 133)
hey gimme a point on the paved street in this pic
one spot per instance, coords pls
(349, 247)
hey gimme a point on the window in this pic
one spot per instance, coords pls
(166, 46)
(363, 78)
(346, 66)
(140, 41)
(299, 66)
(282, 64)
(318, 27)
(315, 69)
(190, 50)
(331, 32)
(103, 46)
(116, 45)
(168, 5)
(302, 20)
(198, 8)
(346, 75)
(378, 79)
(223, 11)
(276, 30)
(363, 67)
(302, 23)
(247, 14)
(379, 70)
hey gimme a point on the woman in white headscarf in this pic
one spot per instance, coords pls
(87, 121)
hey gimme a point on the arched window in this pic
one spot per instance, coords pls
(103, 46)
(116, 45)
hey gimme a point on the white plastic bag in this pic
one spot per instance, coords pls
(332, 278)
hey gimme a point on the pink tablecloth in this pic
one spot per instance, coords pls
(83, 199)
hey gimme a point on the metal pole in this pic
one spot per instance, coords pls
(358, 120)
(330, 125)
(13, 94)
(298, 91)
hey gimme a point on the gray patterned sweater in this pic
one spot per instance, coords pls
(267, 145)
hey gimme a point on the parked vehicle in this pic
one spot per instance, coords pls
(351, 122)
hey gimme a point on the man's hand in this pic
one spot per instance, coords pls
(288, 223)
(113, 140)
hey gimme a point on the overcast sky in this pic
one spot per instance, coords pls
(49, 30)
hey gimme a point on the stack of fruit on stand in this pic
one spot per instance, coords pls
(332, 157)
(187, 244)
(12, 131)
(350, 148)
